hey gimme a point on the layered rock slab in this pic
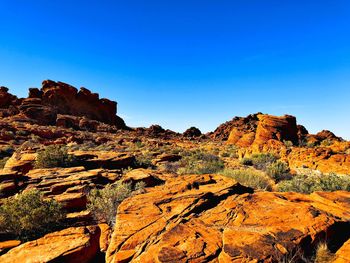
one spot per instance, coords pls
(210, 218)
(79, 244)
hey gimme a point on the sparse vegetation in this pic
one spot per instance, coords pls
(278, 171)
(249, 177)
(3, 162)
(199, 162)
(288, 144)
(247, 161)
(6, 151)
(326, 142)
(28, 215)
(144, 160)
(260, 160)
(315, 182)
(54, 156)
(323, 255)
(103, 203)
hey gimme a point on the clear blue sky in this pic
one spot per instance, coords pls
(183, 63)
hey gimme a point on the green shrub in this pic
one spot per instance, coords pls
(247, 161)
(288, 144)
(144, 160)
(198, 162)
(326, 142)
(54, 156)
(250, 178)
(278, 170)
(230, 151)
(262, 160)
(3, 162)
(259, 160)
(315, 182)
(6, 151)
(103, 203)
(28, 215)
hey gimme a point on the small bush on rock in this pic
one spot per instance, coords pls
(144, 160)
(103, 203)
(54, 156)
(3, 162)
(28, 215)
(249, 177)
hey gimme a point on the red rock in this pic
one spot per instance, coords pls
(210, 218)
(80, 244)
(343, 254)
(192, 132)
(8, 244)
(106, 232)
(276, 128)
(242, 124)
(55, 98)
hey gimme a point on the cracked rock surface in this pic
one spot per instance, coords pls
(210, 218)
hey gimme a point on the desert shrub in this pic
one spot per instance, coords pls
(198, 162)
(144, 160)
(54, 156)
(311, 144)
(288, 144)
(247, 161)
(315, 182)
(103, 203)
(6, 151)
(230, 151)
(262, 160)
(249, 177)
(278, 171)
(84, 146)
(3, 162)
(326, 142)
(323, 255)
(28, 215)
(171, 167)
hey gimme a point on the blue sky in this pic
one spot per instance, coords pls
(187, 63)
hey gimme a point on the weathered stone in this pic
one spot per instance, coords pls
(80, 244)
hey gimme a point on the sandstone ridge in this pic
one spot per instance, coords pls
(58, 103)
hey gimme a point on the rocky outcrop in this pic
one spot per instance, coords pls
(47, 105)
(282, 128)
(343, 254)
(238, 125)
(319, 158)
(192, 132)
(211, 218)
(260, 128)
(75, 244)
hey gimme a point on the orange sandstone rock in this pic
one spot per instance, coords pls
(75, 244)
(211, 218)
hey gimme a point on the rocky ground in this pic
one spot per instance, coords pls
(196, 203)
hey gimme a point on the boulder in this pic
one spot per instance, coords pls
(75, 244)
(282, 128)
(209, 218)
(343, 254)
(192, 132)
(43, 105)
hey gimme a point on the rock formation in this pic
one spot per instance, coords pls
(213, 219)
(192, 132)
(61, 104)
